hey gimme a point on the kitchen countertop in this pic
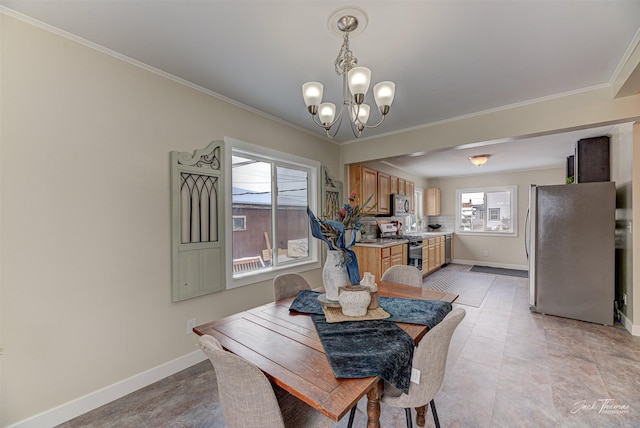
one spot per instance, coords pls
(382, 242)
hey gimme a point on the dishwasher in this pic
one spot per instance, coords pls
(447, 249)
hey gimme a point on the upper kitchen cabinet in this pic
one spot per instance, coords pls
(402, 186)
(592, 160)
(364, 181)
(410, 188)
(384, 190)
(432, 201)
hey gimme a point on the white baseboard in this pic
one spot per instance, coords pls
(633, 329)
(484, 263)
(98, 398)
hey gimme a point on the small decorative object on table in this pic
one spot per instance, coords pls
(369, 281)
(354, 300)
(341, 260)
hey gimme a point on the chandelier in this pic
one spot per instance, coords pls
(355, 84)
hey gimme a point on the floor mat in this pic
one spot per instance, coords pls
(500, 271)
(471, 288)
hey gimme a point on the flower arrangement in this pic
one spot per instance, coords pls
(332, 229)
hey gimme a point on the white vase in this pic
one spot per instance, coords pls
(334, 274)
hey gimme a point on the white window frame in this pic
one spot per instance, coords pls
(237, 147)
(239, 223)
(511, 233)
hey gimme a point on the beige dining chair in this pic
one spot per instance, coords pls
(430, 358)
(403, 274)
(288, 284)
(248, 399)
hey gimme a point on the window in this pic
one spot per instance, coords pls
(239, 222)
(500, 204)
(270, 192)
(417, 197)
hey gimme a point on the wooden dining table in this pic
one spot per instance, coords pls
(286, 347)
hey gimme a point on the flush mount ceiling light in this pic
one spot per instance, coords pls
(479, 160)
(355, 83)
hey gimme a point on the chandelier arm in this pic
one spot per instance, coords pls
(355, 128)
(328, 128)
(346, 100)
(376, 125)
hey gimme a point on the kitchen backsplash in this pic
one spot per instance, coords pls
(448, 222)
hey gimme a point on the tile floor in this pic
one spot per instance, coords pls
(507, 367)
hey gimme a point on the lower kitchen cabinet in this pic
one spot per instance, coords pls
(433, 254)
(378, 259)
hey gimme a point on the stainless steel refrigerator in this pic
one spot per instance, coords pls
(569, 238)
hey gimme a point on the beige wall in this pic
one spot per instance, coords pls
(84, 173)
(503, 251)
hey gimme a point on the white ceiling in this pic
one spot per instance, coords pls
(447, 58)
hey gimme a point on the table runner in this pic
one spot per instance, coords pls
(411, 311)
(357, 349)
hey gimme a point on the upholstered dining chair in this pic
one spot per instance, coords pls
(288, 284)
(403, 274)
(248, 399)
(430, 358)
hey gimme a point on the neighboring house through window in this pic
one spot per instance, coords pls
(270, 192)
(487, 211)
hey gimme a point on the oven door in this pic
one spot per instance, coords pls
(415, 254)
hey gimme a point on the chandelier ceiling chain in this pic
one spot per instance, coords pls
(345, 60)
(355, 84)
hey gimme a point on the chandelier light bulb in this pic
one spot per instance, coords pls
(362, 111)
(359, 81)
(384, 92)
(312, 93)
(326, 113)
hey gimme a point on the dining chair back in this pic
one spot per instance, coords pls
(403, 274)
(430, 358)
(248, 399)
(288, 284)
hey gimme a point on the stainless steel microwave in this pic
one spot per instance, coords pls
(400, 204)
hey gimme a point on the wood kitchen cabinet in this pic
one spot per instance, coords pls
(378, 259)
(402, 186)
(384, 192)
(410, 188)
(432, 201)
(433, 254)
(364, 181)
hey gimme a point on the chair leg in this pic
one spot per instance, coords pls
(352, 414)
(407, 411)
(435, 414)
(421, 412)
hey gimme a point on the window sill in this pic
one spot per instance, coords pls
(269, 273)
